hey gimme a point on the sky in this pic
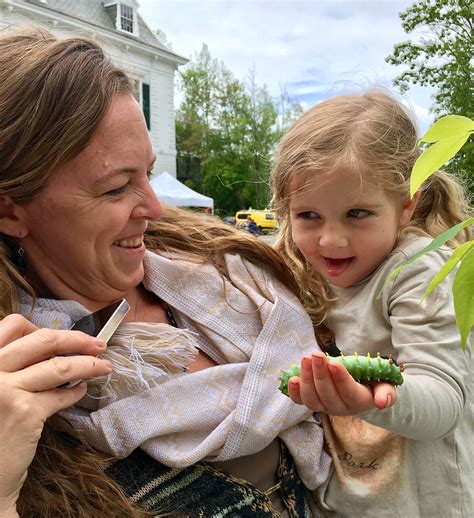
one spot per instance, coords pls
(313, 49)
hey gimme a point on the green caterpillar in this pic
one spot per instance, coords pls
(361, 368)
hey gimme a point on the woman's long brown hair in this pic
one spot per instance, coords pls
(53, 94)
(207, 239)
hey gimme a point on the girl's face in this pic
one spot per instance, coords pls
(346, 227)
(83, 233)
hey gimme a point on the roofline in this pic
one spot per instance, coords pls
(125, 39)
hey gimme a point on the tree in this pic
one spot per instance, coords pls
(194, 118)
(441, 57)
(227, 172)
(210, 132)
(226, 132)
(288, 110)
(262, 135)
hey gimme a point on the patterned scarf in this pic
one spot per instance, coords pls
(253, 327)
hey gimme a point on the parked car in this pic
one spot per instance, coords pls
(265, 220)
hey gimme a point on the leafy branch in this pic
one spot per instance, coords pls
(446, 137)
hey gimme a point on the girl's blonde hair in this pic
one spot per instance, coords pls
(372, 135)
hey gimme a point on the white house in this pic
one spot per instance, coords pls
(131, 44)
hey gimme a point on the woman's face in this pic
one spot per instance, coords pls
(85, 229)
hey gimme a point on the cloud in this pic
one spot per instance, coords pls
(311, 49)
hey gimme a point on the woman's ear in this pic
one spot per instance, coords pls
(11, 222)
(408, 208)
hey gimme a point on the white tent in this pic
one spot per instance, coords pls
(171, 191)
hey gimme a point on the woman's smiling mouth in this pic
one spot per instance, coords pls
(129, 243)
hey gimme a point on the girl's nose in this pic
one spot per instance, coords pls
(333, 237)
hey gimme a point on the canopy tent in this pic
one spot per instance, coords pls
(171, 191)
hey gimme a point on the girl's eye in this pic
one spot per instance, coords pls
(358, 213)
(309, 214)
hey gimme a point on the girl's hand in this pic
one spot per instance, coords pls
(328, 387)
(32, 367)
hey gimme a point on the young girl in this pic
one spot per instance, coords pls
(340, 188)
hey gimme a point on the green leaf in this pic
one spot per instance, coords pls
(463, 295)
(436, 243)
(447, 127)
(433, 158)
(456, 256)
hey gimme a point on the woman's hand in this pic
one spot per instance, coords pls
(32, 366)
(328, 387)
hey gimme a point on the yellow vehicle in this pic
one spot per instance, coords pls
(265, 219)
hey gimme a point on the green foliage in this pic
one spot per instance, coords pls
(436, 243)
(463, 293)
(457, 255)
(447, 136)
(226, 132)
(463, 285)
(447, 127)
(440, 55)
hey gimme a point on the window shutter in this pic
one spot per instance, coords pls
(146, 103)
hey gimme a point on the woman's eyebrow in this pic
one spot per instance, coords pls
(119, 170)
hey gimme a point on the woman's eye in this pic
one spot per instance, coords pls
(117, 191)
(358, 213)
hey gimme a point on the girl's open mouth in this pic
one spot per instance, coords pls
(336, 267)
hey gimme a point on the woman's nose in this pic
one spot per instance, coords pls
(150, 207)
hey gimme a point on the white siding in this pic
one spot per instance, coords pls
(142, 66)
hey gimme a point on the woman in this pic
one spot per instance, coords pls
(76, 209)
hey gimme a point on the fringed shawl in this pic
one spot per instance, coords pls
(254, 328)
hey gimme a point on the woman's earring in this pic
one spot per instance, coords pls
(21, 259)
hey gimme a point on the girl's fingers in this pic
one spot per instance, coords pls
(309, 386)
(328, 387)
(294, 390)
(14, 326)
(59, 370)
(43, 344)
(356, 397)
(385, 394)
(334, 388)
(325, 386)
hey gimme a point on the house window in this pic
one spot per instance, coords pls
(146, 104)
(141, 91)
(126, 18)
